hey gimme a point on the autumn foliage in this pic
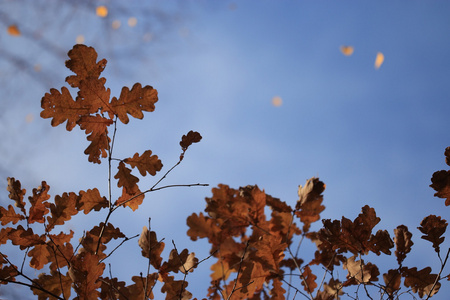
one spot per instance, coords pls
(254, 237)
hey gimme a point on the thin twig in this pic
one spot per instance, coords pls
(149, 256)
(239, 271)
(117, 247)
(439, 275)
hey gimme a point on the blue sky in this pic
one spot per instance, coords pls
(373, 136)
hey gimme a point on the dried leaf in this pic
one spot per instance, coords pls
(16, 193)
(403, 242)
(146, 163)
(309, 280)
(151, 247)
(10, 215)
(109, 232)
(441, 184)
(83, 62)
(134, 102)
(433, 227)
(53, 283)
(96, 126)
(39, 205)
(126, 179)
(392, 279)
(61, 107)
(62, 210)
(85, 271)
(420, 281)
(91, 200)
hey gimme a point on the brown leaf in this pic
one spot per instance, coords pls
(151, 247)
(114, 289)
(403, 242)
(201, 227)
(309, 206)
(360, 272)
(16, 193)
(174, 287)
(53, 283)
(85, 271)
(83, 62)
(39, 256)
(134, 102)
(109, 232)
(10, 215)
(309, 280)
(433, 227)
(392, 279)
(441, 184)
(39, 204)
(126, 179)
(62, 210)
(190, 138)
(91, 200)
(61, 107)
(146, 163)
(25, 238)
(420, 281)
(96, 126)
(136, 199)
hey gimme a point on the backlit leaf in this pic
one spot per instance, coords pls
(441, 184)
(56, 283)
(16, 193)
(39, 205)
(134, 102)
(151, 247)
(420, 281)
(126, 179)
(145, 163)
(10, 215)
(403, 242)
(61, 107)
(83, 62)
(433, 228)
(91, 200)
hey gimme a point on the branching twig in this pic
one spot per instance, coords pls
(239, 271)
(438, 275)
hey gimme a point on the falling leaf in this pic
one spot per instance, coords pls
(132, 22)
(101, 11)
(277, 101)
(14, 30)
(347, 50)
(379, 60)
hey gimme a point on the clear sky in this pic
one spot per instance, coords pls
(374, 136)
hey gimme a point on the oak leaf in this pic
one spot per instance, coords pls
(39, 205)
(62, 210)
(392, 279)
(358, 272)
(175, 289)
(145, 163)
(420, 281)
(10, 215)
(403, 242)
(83, 62)
(39, 256)
(96, 126)
(151, 247)
(134, 102)
(441, 184)
(55, 282)
(85, 271)
(25, 238)
(109, 232)
(309, 280)
(16, 193)
(61, 107)
(132, 200)
(201, 227)
(433, 227)
(112, 288)
(91, 200)
(309, 205)
(187, 140)
(126, 179)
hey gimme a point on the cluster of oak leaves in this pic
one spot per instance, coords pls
(251, 249)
